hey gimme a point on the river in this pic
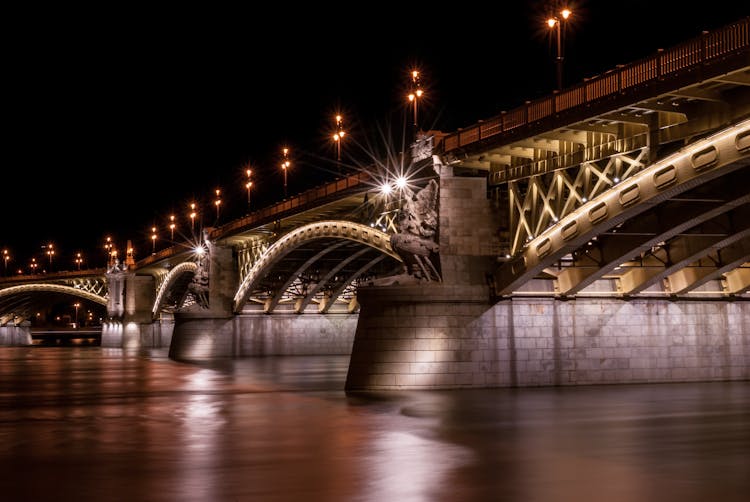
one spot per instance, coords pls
(99, 424)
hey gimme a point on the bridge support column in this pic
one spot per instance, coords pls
(204, 333)
(469, 229)
(448, 337)
(129, 309)
(418, 337)
(12, 334)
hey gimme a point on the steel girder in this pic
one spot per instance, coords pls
(308, 260)
(712, 157)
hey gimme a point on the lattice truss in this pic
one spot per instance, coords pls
(537, 202)
(307, 289)
(249, 254)
(93, 285)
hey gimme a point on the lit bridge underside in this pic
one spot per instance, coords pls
(624, 185)
(304, 254)
(21, 299)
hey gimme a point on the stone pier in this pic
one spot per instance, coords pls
(12, 334)
(451, 337)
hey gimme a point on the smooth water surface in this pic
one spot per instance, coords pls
(97, 424)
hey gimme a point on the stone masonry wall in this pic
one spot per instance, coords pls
(450, 337)
(262, 335)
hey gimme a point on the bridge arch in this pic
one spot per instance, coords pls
(700, 163)
(177, 278)
(334, 231)
(21, 311)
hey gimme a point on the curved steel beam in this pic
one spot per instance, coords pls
(647, 232)
(326, 305)
(272, 302)
(681, 252)
(728, 259)
(692, 166)
(186, 267)
(347, 230)
(302, 304)
(53, 288)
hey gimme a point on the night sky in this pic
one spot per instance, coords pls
(113, 119)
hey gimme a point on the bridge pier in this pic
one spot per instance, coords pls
(198, 338)
(452, 337)
(130, 324)
(12, 334)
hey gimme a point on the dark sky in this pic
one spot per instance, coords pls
(116, 117)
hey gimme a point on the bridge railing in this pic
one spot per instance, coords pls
(707, 48)
(312, 196)
(269, 213)
(53, 276)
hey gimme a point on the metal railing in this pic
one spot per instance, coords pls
(308, 197)
(710, 46)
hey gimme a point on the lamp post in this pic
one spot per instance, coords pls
(79, 260)
(338, 136)
(153, 240)
(6, 257)
(33, 266)
(75, 322)
(217, 202)
(108, 249)
(285, 167)
(416, 93)
(50, 254)
(248, 185)
(171, 227)
(193, 214)
(556, 23)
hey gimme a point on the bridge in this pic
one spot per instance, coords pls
(599, 234)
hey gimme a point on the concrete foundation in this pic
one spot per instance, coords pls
(446, 337)
(200, 338)
(132, 335)
(11, 335)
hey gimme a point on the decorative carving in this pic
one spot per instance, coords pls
(198, 287)
(422, 148)
(117, 267)
(415, 241)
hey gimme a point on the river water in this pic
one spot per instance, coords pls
(98, 424)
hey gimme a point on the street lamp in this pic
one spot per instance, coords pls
(171, 227)
(50, 254)
(75, 323)
(416, 93)
(6, 257)
(338, 136)
(248, 185)
(556, 23)
(79, 260)
(285, 167)
(153, 240)
(217, 203)
(33, 266)
(193, 214)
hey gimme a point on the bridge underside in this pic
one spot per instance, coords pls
(38, 300)
(321, 274)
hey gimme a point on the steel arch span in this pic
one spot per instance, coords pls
(15, 300)
(354, 240)
(171, 281)
(724, 155)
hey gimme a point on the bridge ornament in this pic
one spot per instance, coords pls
(417, 230)
(198, 287)
(422, 148)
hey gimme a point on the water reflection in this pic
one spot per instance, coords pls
(90, 423)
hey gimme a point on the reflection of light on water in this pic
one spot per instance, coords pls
(405, 466)
(202, 421)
